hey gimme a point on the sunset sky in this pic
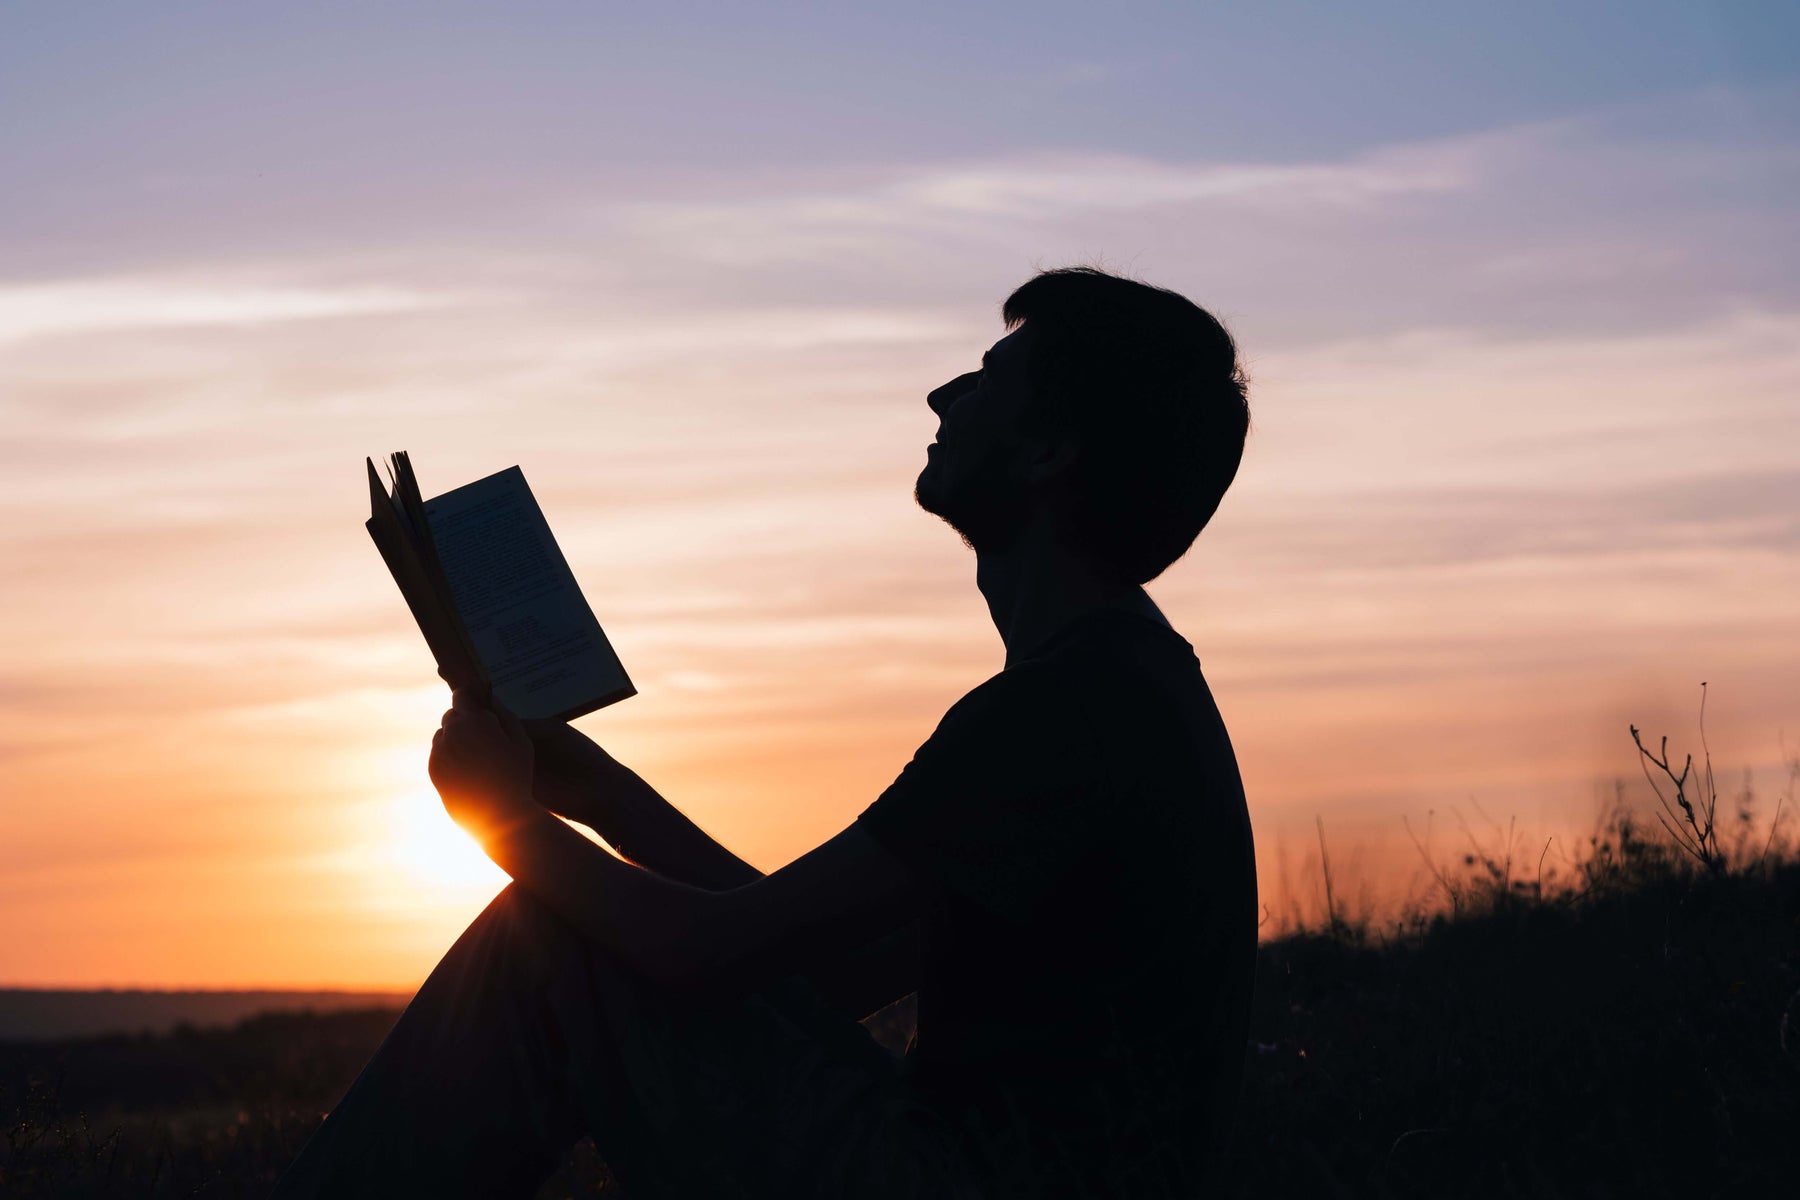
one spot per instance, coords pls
(1518, 287)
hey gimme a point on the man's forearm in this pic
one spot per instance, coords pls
(660, 928)
(713, 946)
(583, 782)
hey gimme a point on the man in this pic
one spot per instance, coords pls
(1063, 872)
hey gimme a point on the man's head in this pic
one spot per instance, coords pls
(1115, 409)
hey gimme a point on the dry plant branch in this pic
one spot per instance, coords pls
(1451, 892)
(1793, 766)
(1331, 914)
(1698, 839)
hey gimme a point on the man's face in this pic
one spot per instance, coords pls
(971, 476)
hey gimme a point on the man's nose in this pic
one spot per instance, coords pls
(941, 398)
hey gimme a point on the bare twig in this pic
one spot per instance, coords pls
(1325, 867)
(1711, 797)
(1793, 766)
(1451, 892)
(1773, 826)
(1698, 839)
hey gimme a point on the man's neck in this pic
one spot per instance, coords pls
(1037, 586)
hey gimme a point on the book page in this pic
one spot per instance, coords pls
(537, 639)
(397, 539)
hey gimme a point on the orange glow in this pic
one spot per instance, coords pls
(1473, 537)
(431, 851)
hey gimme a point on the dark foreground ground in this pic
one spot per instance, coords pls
(1639, 1038)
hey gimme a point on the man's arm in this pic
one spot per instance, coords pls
(577, 779)
(705, 944)
(714, 946)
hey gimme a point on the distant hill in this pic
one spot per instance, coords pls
(40, 1014)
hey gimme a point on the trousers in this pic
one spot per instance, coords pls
(526, 1037)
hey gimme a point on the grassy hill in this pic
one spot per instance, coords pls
(47, 1014)
(1636, 1034)
(1640, 1040)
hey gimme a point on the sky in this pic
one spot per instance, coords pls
(1517, 287)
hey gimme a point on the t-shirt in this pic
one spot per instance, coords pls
(1085, 999)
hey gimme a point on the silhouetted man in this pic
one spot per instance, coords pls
(1063, 872)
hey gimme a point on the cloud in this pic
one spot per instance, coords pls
(1449, 528)
(937, 209)
(87, 306)
(1524, 419)
(1660, 213)
(1445, 407)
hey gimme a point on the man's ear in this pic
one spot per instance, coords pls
(1050, 457)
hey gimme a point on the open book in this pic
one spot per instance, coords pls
(497, 604)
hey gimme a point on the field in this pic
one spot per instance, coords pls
(1635, 1033)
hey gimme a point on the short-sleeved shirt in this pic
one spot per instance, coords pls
(1088, 967)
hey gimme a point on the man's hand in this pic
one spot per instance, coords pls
(562, 750)
(481, 764)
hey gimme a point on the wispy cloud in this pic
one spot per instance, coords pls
(1604, 221)
(920, 199)
(86, 306)
(1524, 407)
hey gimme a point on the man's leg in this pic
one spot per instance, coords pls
(524, 1038)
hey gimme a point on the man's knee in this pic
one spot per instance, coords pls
(530, 923)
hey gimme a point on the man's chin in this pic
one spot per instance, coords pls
(925, 493)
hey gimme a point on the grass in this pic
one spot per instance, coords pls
(1640, 1037)
(1630, 1027)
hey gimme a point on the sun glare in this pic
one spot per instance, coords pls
(426, 845)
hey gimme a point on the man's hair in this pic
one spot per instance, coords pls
(1147, 383)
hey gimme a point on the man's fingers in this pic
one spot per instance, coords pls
(465, 707)
(464, 719)
(515, 728)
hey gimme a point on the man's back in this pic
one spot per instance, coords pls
(1088, 970)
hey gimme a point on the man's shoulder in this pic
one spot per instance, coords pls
(1018, 683)
(1027, 704)
(1080, 679)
